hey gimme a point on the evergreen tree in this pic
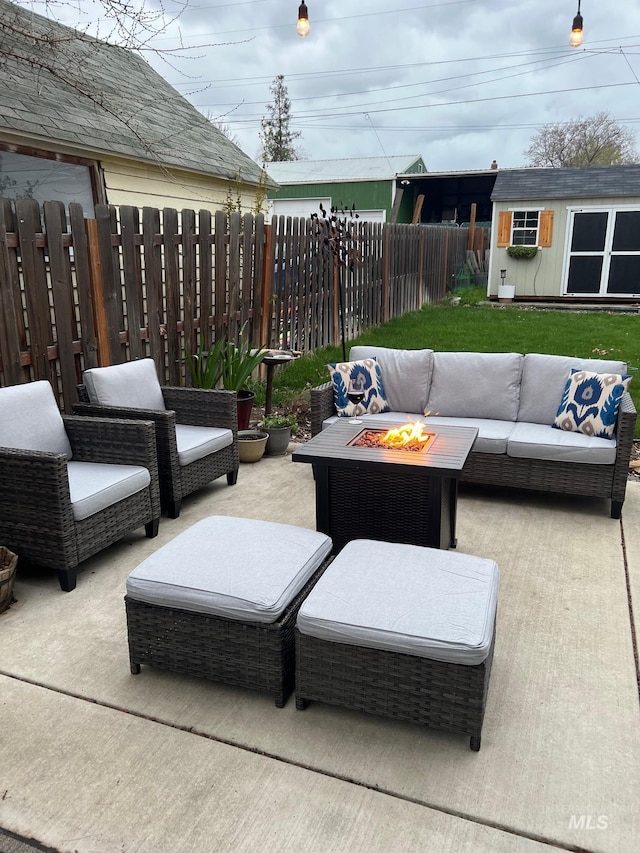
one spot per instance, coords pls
(276, 137)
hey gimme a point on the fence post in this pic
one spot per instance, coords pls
(386, 250)
(97, 292)
(335, 284)
(267, 285)
(421, 276)
(472, 226)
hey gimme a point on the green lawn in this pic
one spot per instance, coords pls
(477, 328)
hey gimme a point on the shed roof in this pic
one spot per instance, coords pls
(349, 169)
(60, 85)
(574, 182)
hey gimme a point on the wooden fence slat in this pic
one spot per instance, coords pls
(171, 251)
(36, 294)
(156, 328)
(205, 311)
(132, 278)
(61, 291)
(81, 263)
(109, 272)
(233, 255)
(220, 267)
(189, 295)
(11, 323)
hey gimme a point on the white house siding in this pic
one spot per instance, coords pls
(140, 184)
(541, 276)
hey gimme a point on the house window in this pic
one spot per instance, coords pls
(46, 179)
(525, 225)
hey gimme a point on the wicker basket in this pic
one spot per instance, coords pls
(8, 563)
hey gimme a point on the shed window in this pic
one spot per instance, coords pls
(525, 227)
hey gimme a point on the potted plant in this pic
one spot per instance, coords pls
(522, 252)
(251, 444)
(279, 428)
(230, 365)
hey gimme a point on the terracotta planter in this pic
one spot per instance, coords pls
(245, 406)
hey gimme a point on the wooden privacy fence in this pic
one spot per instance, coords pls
(78, 293)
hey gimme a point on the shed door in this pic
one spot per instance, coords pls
(604, 253)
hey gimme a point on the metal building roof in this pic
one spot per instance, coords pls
(350, 169)
(58, 84)
(575, 182)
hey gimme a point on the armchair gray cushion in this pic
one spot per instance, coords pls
(133, 384)
(94, 486)
(196, 442)
(30, 419)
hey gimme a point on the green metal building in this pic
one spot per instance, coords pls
(375, 185)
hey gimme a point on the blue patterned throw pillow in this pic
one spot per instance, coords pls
(361, 376)
(590, 403)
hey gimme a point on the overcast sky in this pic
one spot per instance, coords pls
(458, 82)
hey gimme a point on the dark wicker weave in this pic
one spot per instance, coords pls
(36, 519)
(246, 654)
(498, 469)
(355, 499)
(428, 692)
(193, 406)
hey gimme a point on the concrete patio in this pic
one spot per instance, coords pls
(95, 760)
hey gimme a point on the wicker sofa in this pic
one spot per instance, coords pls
(512, 399)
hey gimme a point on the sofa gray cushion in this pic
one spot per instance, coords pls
(94, 486)
(239, 568)
(492, 434)
(476, 385)
(406, 375)
(131, 385)
(30, 419)
(544, 378)
(404, 598)
(539, 441)
(196, 442)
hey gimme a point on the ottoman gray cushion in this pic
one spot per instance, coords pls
(404, 598)
(239, 568)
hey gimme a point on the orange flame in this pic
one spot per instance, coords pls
(406, 435)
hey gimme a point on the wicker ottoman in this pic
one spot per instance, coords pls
(401, 631)
(220, 601)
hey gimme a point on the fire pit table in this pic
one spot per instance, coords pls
(390, 494)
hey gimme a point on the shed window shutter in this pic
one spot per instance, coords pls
(546, 228)
(504, 228)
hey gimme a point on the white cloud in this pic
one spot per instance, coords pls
(459, 82)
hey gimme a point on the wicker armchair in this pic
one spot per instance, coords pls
(196, 429)
(55, 509)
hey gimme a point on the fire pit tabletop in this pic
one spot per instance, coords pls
(447, 452)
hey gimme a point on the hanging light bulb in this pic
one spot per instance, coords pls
(575, 39)
(303, 20)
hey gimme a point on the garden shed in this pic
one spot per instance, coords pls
(577, 228)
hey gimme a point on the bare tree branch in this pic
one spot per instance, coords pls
(593, 141)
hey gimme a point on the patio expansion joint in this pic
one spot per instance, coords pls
(553, 845)
(634, 637)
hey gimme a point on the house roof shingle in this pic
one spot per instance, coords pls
(61, 85)
(575, 182)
